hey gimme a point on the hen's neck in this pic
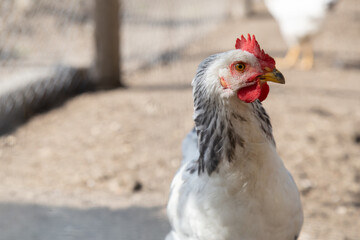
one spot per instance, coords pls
(228, 128)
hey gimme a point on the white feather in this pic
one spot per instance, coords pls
(252, 198)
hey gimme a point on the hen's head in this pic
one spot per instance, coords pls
(243, 72)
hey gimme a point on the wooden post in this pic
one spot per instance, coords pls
(107, 66)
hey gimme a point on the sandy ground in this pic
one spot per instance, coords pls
(99, 167)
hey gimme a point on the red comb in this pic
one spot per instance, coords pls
(252, 46)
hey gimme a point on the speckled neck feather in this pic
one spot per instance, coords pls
(217, 120)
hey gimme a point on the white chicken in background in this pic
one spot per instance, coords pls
(299, 21)
(232, 184)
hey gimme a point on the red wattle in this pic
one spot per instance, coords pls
(264, 91)
(251, 93)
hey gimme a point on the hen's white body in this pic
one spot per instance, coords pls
(252, 198)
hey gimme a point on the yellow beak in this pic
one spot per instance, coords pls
(273, 76)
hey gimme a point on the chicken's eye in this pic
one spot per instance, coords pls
(240, 67)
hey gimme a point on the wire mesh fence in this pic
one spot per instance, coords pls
(56, 37)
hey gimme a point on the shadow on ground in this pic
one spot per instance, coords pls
(30, 221)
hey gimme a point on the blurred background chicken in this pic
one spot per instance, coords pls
(299, 21)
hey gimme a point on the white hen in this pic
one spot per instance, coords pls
(299, 21)
(232, 184)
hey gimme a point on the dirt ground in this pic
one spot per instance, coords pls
(99, 167)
